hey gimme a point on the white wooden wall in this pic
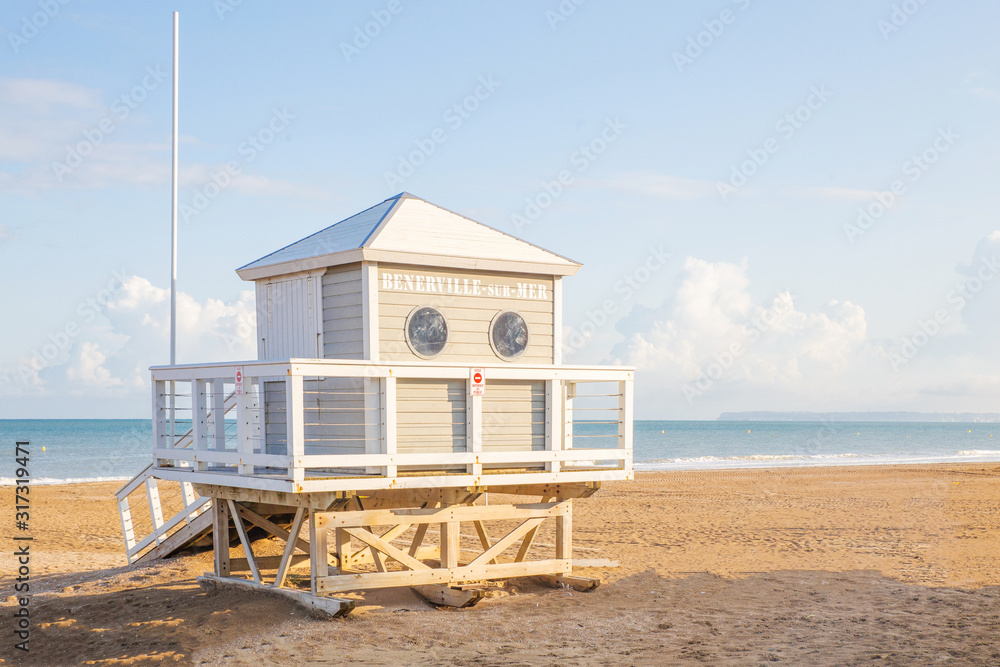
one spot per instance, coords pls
(343, 323)
(468, 316)
(289, 316)
(430, 415)
(514, 415)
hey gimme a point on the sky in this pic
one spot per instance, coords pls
(778, 206)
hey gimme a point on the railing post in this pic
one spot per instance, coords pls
(372, 388)
(218, 437)
(159, 417)
(570, 393)
(625, 421)
(553, 420)
(199, 419)
(388, 396)
(294, 423)
(245, 430)
(473, 427)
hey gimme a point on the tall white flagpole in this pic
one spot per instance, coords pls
(173, 208)
(173, 241)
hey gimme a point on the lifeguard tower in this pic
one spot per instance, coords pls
(409, 363)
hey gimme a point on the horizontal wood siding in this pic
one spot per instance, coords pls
(468, 315)
(287, 319)
(334, 419)
(514, 416)
(430, 415)
(342, 314)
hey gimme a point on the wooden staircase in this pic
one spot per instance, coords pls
(189, 525)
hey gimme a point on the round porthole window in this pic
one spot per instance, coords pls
(508, 335)
(426, 331)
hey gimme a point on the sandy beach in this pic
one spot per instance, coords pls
(889, 565)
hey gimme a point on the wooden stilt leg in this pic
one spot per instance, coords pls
(220, 536)
(449, 544)
(319, 552)
(342, 543)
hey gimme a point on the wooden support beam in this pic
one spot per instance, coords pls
(484, 538)
(241, 531)
(329, 607)
(388, 536)
(577, 583)
(564, 535)
(529, 538)
(342, 544)
(391, 517)
(272, 527)
(265, 562)
(318, 551)
(349, 582)
(506, 541)
(449, 544)
(418, 537)
(220, 536)
(290, 544)
(446, 596)
(375, 541)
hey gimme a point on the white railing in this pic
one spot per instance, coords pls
(310, 424)
(192, 505)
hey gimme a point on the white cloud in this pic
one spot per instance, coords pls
(111, 354)
(712, 337)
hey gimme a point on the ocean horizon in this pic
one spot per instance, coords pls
(65, 451)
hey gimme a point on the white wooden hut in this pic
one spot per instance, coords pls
(409, 361)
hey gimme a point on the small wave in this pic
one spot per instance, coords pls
(756, 457)
(789, 460)
(49, 481)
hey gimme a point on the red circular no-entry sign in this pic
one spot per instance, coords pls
(477, 378)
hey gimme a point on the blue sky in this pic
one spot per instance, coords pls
(798, 193)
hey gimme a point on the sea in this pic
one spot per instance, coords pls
(66, 451)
